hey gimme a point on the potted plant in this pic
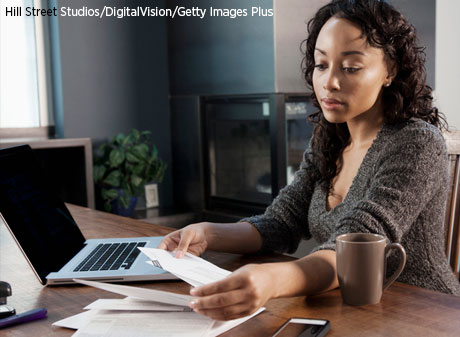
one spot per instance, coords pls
(122, 166)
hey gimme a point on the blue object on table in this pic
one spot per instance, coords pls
(24, 317)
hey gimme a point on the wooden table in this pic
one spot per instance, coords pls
(404, 310)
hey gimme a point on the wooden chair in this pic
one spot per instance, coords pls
(452, 220)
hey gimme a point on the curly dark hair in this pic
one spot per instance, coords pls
(408, 96)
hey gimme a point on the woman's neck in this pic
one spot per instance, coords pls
(364, 128)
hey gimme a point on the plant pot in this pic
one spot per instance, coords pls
(117, 207)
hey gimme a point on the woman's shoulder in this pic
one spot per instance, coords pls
(414, 131)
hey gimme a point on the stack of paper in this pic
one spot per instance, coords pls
(148, 312)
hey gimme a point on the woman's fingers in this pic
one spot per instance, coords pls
(229, 283)
(194, 250)
(185, 239)
(224, 300)
(219, 300)
(169, 242)
(165, 243)
(188, 239)
(238, 295)
(225, 306)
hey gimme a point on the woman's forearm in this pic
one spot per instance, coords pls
(251, 286)
(309, 275)
(239, 238)
(312, 274)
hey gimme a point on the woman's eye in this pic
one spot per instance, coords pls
(320, 66)
(351, 69)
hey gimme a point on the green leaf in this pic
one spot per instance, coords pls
(128, 139)
(107, 207)
(161, 172)
(154, 152)
(113, 179)
(138, 169)
(102, 153)
(116, 157)
(131, 158)
(125, 186)
(136, 135)
(112, 194)
(102, 148)
(124, 200)
(136, 180)
(141, 151)
(119, 138)
(145, 136)
(109, 195)
(150, 172)
(99, 171)
(129, 168)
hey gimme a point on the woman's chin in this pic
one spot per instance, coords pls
(334, 118)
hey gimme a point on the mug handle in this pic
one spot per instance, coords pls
(402, 263)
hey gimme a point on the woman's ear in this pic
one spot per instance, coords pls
(392, 69)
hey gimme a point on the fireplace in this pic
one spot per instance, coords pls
(252, 145)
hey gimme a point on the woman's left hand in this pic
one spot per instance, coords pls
(238, 295)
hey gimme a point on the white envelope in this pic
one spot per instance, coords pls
(141, 293)
(192, 269)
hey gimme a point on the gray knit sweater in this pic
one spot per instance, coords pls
(400, 191)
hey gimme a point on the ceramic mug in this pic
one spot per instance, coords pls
(361, 266)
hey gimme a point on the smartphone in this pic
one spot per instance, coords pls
(303, 327)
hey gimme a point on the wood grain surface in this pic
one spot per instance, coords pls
(404, 310)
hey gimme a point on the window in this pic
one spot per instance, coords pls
(24, 86)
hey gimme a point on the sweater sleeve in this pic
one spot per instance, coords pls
(285, 221)
(407, 176)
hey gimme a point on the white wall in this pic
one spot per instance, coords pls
(448, 60)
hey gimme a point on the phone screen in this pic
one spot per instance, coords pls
(297, 327)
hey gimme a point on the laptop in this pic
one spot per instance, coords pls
(50, 239)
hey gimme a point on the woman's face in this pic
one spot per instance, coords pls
(349, 74)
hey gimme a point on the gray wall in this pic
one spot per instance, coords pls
(291, 19)
(115, 77)
(219, 55)
(422, 14)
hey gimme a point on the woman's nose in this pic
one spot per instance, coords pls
(332, 82)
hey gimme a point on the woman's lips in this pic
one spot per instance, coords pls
(330, 103)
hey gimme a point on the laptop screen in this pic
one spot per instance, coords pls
(39, 221)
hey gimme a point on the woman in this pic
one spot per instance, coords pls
(377, 163)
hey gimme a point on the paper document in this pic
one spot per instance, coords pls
(141, 293)
(83, 319)
(219, 327)
(122, 324)
(76, 321)
(192, 269)
(133, 304)
(183, 278)
(148, 312)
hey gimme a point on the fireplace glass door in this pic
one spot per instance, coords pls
(298, 133)
(238, 150)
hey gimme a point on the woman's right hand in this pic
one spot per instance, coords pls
(192, 238)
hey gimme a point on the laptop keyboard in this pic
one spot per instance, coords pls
(111, 256)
